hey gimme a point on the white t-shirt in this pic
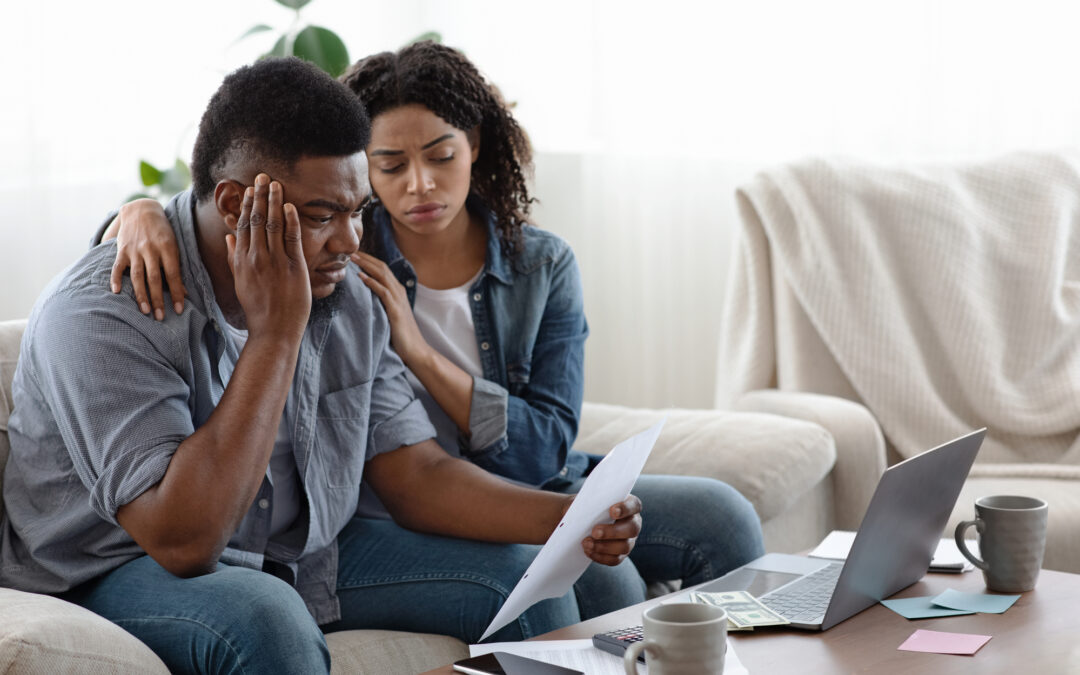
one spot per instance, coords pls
(445, 320)
(284, 477)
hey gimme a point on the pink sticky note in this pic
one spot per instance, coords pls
(938, 642)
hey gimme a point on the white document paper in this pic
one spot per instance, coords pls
(561, 561)
(582, 655)
(947, 557)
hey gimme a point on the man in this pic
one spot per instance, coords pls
(195, 480)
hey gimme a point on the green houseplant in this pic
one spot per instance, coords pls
(316, 44)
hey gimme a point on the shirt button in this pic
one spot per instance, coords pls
(563, 472)
(485, 346)
(410, 283)
(264, 503)
(476, 297)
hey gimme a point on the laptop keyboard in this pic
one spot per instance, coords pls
(805, 600)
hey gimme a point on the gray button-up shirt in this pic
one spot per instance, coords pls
(104, 395)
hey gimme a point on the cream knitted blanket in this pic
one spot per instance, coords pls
(948, 295)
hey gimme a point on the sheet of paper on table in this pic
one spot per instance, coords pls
(937, 642)
(947, 557)
(561, 561)
(581, 655)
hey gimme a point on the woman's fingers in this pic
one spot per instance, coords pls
(171, 264)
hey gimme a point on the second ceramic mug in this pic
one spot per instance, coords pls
(681, 638)
(1012, 539)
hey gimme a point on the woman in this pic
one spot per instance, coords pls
(485, 309)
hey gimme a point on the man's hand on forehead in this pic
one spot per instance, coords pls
(267, 260)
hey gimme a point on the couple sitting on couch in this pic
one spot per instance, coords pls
(231, 480)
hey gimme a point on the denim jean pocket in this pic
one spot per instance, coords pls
(341, 430)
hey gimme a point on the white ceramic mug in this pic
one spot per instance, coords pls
(681, 638)
(1012, 539)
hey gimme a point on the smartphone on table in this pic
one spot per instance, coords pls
(504, 663)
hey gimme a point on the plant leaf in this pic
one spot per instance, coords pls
(293, 4)
(149, 174)
(254, 30)
(322, 47)
(277, 50)
(175, 179)
(432, 35)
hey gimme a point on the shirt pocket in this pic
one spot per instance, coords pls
(341, 434)
(517, 375)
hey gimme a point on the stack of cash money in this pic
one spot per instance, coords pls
(744, 611)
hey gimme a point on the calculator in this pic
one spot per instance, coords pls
(618, 641)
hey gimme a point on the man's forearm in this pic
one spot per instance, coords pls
(185, 521)
(425, 489)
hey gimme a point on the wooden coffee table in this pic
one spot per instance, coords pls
(1038, 634)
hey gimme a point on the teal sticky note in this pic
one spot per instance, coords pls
(921, 608)
(975, 602)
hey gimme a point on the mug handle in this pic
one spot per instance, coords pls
(630, 662)
(960, 544)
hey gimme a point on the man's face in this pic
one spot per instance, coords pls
(328, 193)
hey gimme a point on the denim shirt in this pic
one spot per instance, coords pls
(529, 317)
(104, 396)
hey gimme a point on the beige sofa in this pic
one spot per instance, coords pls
(942, 297)
(808, 464)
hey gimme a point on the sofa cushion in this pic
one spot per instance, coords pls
(41, 634)
(385, 652)
(771, 460)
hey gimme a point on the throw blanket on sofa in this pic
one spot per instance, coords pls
(948, 295)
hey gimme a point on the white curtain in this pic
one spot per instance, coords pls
(645, 116)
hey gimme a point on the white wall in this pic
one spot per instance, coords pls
(645, 116)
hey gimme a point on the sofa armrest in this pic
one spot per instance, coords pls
(771, 460)
(860, 446)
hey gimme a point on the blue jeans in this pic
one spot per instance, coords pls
(396, 579)
(693, 529)
(239, 620)
(235, 620)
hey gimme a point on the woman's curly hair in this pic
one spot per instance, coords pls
(445, 82)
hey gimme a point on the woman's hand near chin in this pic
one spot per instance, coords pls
(146, 244)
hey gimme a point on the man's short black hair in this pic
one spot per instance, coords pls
(275, 112)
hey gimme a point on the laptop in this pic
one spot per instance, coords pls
(892, 549)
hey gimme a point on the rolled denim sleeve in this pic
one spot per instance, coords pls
(539, 419)
(119, 402)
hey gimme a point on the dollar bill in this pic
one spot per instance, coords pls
(744, 611)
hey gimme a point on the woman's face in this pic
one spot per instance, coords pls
(420, 168)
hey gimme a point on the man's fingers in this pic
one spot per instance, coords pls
(153, 283)
(243, 229)
(174, 279)
(624, 528)
(257, 219)
(293, 244)
(626, 507)
(608, 552)
(274, 226)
